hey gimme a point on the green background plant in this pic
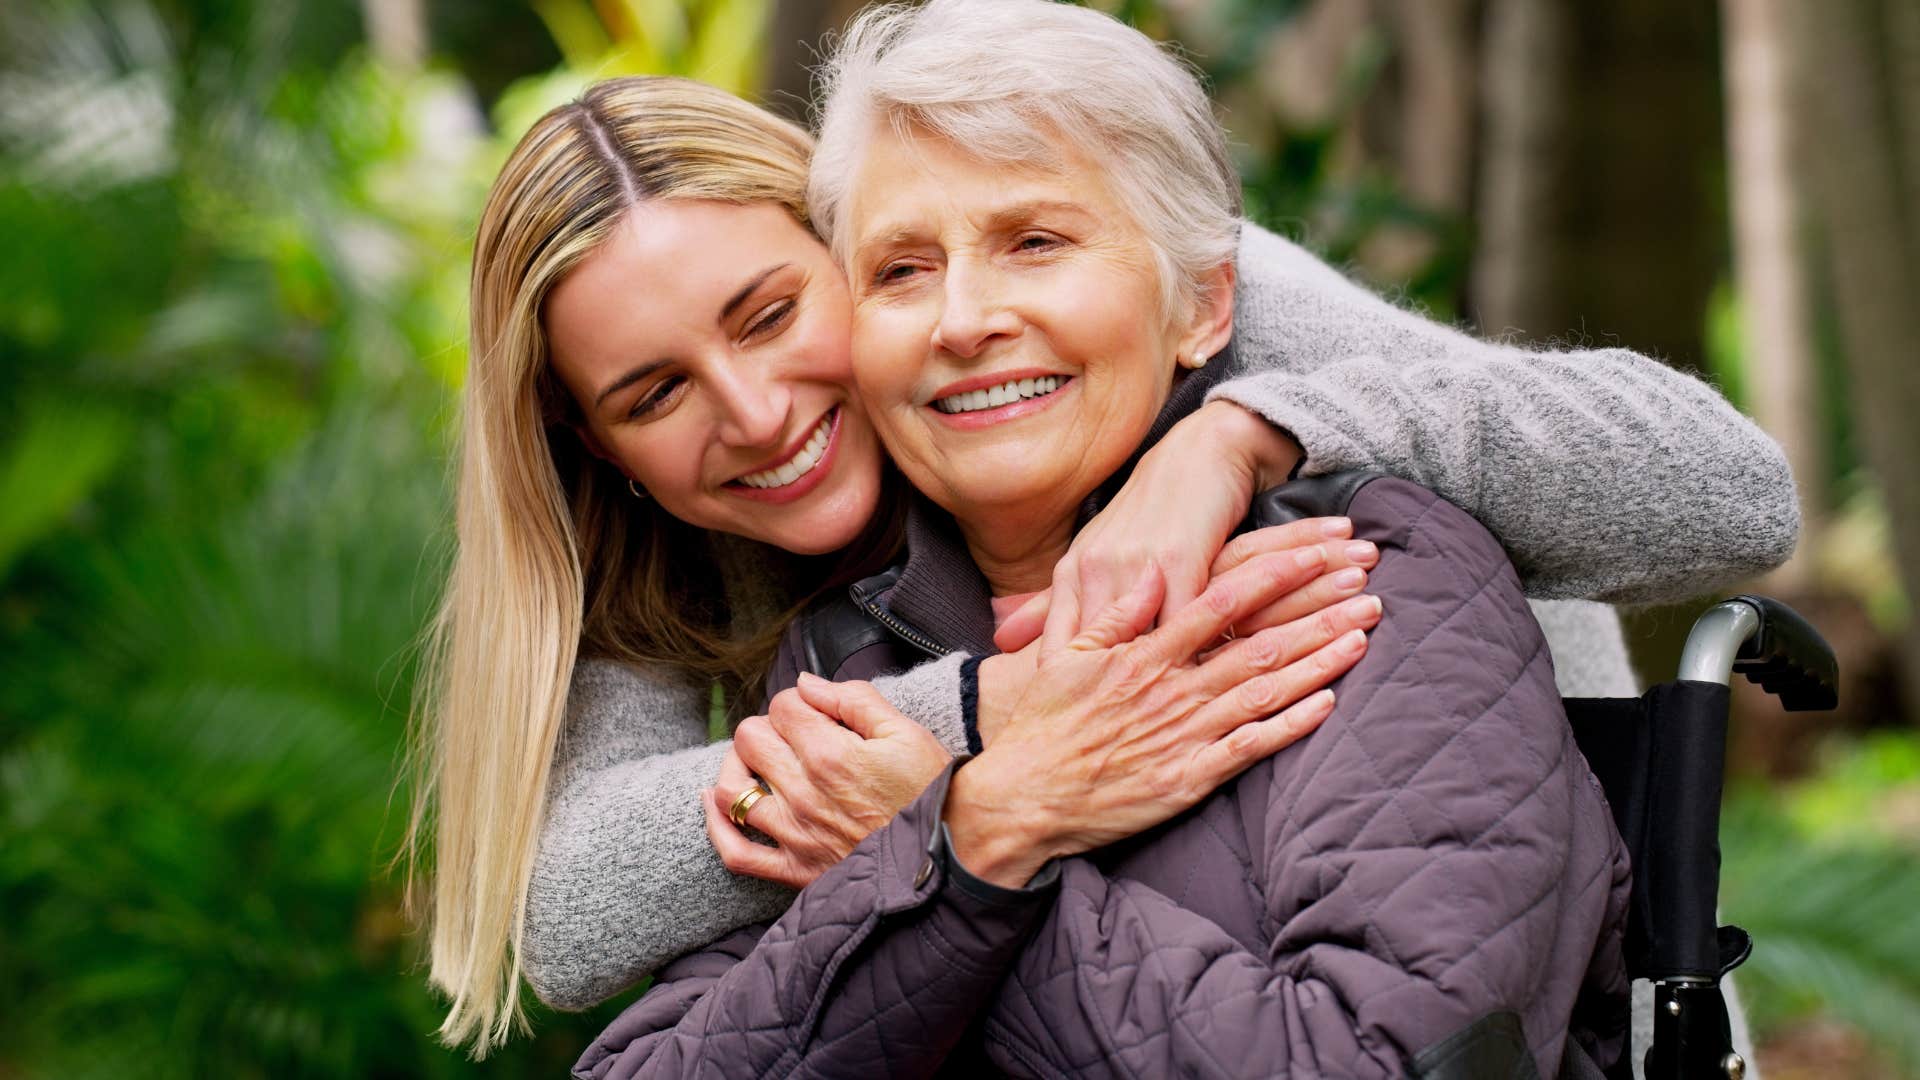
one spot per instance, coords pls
(231, 322)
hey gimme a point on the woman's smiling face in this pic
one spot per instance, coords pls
(707, 347)
(1009, 337)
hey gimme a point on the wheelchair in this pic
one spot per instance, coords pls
(1661, 759)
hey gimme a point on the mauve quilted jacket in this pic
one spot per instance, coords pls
(1430, 884)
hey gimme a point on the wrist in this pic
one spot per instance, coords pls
(1267, 453)
(991, 831)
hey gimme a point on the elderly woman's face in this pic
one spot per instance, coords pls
(1008, 336)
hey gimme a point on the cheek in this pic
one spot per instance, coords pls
(824, 350)
(664, 456)
(884, 359)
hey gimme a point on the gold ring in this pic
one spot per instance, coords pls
(737, 813)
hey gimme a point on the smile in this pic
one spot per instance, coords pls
(1005, 393)
(803, 461)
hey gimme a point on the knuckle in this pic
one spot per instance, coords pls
(1219, 600)
(1264, 650)
(1262, 695)
(751, 737)
(1243, 741)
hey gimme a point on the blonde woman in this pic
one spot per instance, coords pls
(595, 603)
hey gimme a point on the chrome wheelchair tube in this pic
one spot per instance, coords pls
(1715, 640)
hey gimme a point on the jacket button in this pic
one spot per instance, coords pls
(926, 871)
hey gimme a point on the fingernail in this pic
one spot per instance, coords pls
(1334, 528)
(1353, 641)
(1365, 605)
(1309, 557)
(1361, 550)
(1351, 578)
(810, 677)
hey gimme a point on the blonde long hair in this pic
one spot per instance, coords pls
(555, 557)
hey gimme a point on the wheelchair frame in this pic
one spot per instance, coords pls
(1662, 760)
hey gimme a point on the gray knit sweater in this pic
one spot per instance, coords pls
(1609, 476)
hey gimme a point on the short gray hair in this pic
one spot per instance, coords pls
(1005, 80)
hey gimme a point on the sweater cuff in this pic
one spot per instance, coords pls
(1278, 398)
(970, 702)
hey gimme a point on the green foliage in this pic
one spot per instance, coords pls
(1826, 881)
(235, 309)
(228, 326)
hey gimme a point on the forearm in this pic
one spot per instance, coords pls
(891, 919)
(624, 878)
(1607, 475)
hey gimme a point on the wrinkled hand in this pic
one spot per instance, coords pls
(1118, 731)
(1176, 510)
(841, 761)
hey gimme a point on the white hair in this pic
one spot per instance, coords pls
(1009, 81)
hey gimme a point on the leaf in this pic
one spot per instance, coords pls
(62, 452)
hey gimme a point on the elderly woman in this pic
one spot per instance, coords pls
(1431, 879)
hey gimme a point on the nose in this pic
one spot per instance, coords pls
(973, 312)
(753, 404)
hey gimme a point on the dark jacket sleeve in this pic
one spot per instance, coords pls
(876, 970)
(1434, 856)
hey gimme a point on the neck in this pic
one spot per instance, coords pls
(1017, 556)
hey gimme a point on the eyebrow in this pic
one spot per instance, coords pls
(1003, 217)
(738, 298)
(726, 311)
(631, 377)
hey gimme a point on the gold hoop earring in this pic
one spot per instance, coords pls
(637, 493)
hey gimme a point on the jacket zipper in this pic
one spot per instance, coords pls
(912, 636)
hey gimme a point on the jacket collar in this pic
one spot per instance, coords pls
(943, 595)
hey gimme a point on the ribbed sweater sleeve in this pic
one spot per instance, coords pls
(625, 879)
(1606, 474)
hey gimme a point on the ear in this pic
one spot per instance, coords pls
(1211, 324)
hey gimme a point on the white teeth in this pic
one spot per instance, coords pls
(799, 464)
(1005, 394)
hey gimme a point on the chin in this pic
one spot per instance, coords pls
(829, 526)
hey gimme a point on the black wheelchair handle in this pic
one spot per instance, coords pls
(1769, 643)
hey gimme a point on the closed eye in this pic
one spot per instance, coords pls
(656, 397)
(776, 317)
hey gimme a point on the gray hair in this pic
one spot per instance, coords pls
(1007, 80)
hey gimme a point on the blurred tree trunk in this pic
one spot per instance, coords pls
(1861, 95)
(1431, 115)
(397, 31)
(793, 44)
(1779, 351)
(1601, 142)
(1525, 127)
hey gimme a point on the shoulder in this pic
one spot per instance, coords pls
(1267, 259)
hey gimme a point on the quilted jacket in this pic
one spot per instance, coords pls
(1430, 884)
